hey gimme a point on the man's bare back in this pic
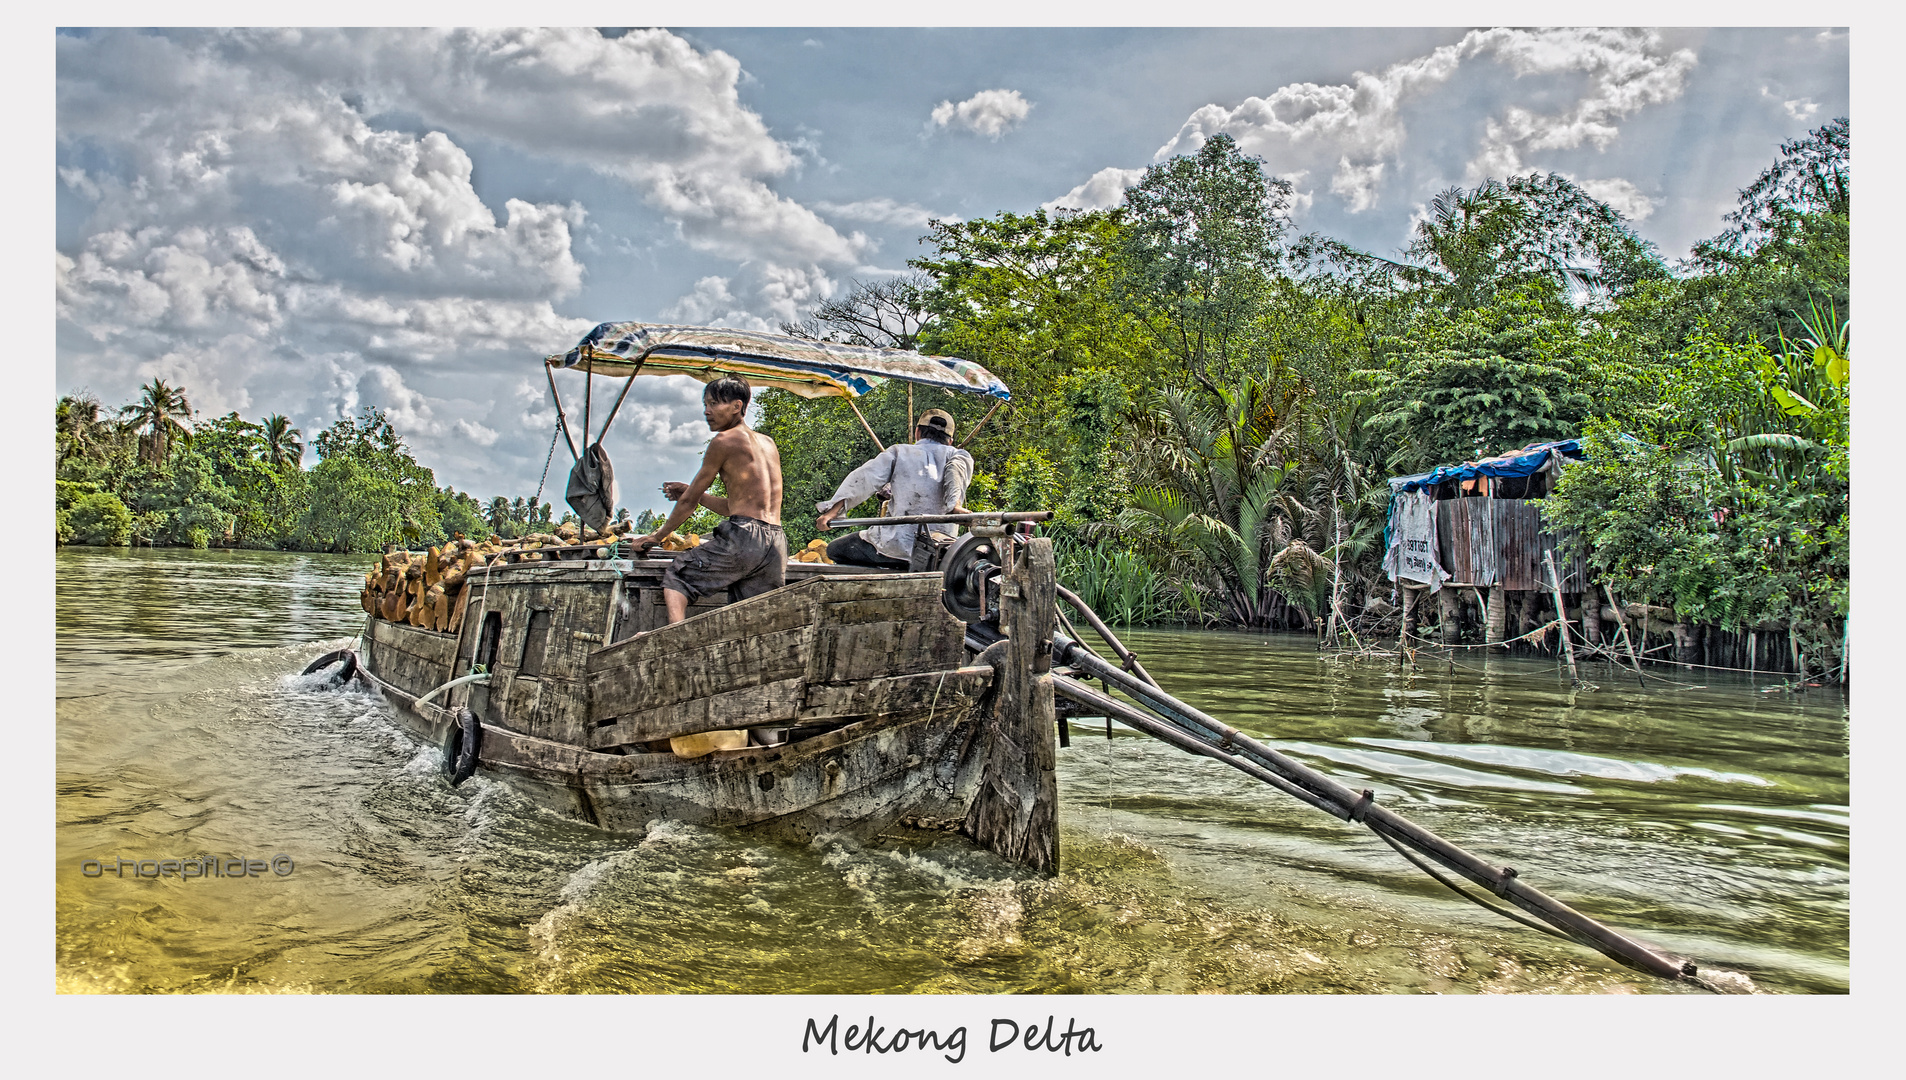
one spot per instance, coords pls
(749, 552)
(749, 465)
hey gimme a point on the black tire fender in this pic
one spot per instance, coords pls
(462, 748)
(345, 674)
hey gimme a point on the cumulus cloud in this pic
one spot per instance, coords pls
(757, 298)
(1106, 188)
(258, 228)
(1350, 131)
(1356, 184)
(884, 211)
(1623, 196)
(1797, 108)
(991, 113)
(476, 433)
(702, 304)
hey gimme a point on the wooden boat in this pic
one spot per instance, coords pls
(848, 700)
(845, 701)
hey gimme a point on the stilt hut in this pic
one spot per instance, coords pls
(1472, 530)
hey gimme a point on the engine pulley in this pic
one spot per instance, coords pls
(963, 576)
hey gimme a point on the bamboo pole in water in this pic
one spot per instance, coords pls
(1621, 624)
(1221, 741)
(1561, 615)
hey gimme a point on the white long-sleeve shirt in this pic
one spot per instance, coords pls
(928, 477)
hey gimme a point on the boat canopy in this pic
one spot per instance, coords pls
(799, 365)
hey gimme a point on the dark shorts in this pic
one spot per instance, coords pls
(743, 555)
(854, 550)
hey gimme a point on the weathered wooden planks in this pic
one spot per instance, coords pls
(413, 660)
(1485, 541)
(884, 636)
(765, 703)
(736, 663)
(1015, 810)
(693, 676)
(952, 690)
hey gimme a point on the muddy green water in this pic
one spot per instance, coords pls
(1701, 814)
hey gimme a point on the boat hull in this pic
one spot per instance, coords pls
(888, 722)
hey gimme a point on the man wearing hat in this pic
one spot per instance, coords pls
(928, 476)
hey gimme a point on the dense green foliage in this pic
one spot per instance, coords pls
(1729, 499)
(1212, 404)
(146, 477)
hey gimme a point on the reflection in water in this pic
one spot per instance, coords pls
(1699, 815)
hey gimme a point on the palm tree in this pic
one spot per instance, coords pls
(498, 513)
(156, 417)
(1218, 499)
(79, 429)
(283, 446)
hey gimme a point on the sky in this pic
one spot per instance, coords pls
(308, 222)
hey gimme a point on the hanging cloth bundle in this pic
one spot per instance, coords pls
(592, 493)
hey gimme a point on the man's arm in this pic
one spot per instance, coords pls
(690, 497)
(674, 489)
(953, 480)
(859, 484)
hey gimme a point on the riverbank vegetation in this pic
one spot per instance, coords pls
(141, 475)
(1213, 402)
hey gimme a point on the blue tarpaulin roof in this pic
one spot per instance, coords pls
(1524, 462)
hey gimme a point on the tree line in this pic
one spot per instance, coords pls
(151, 473)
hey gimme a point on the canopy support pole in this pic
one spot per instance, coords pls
(617, 407)
(588, 395)
(865, 424)
(547, 374)
(981, 424)
(908, 437)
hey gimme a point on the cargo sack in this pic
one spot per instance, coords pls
(592, 493)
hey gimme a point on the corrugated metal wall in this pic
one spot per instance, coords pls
(1487, 541)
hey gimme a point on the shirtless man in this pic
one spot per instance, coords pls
(747, 554)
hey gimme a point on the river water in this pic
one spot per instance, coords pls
(1701, 813)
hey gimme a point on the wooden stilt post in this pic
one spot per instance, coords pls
(1406, 596)
(1591, 616)
(1449, 609)
(1496, 620)
(1015, 812)
(1621, 624)
(1561, 616)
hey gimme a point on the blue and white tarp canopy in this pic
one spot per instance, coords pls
(1527, 461)
(799, 365)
